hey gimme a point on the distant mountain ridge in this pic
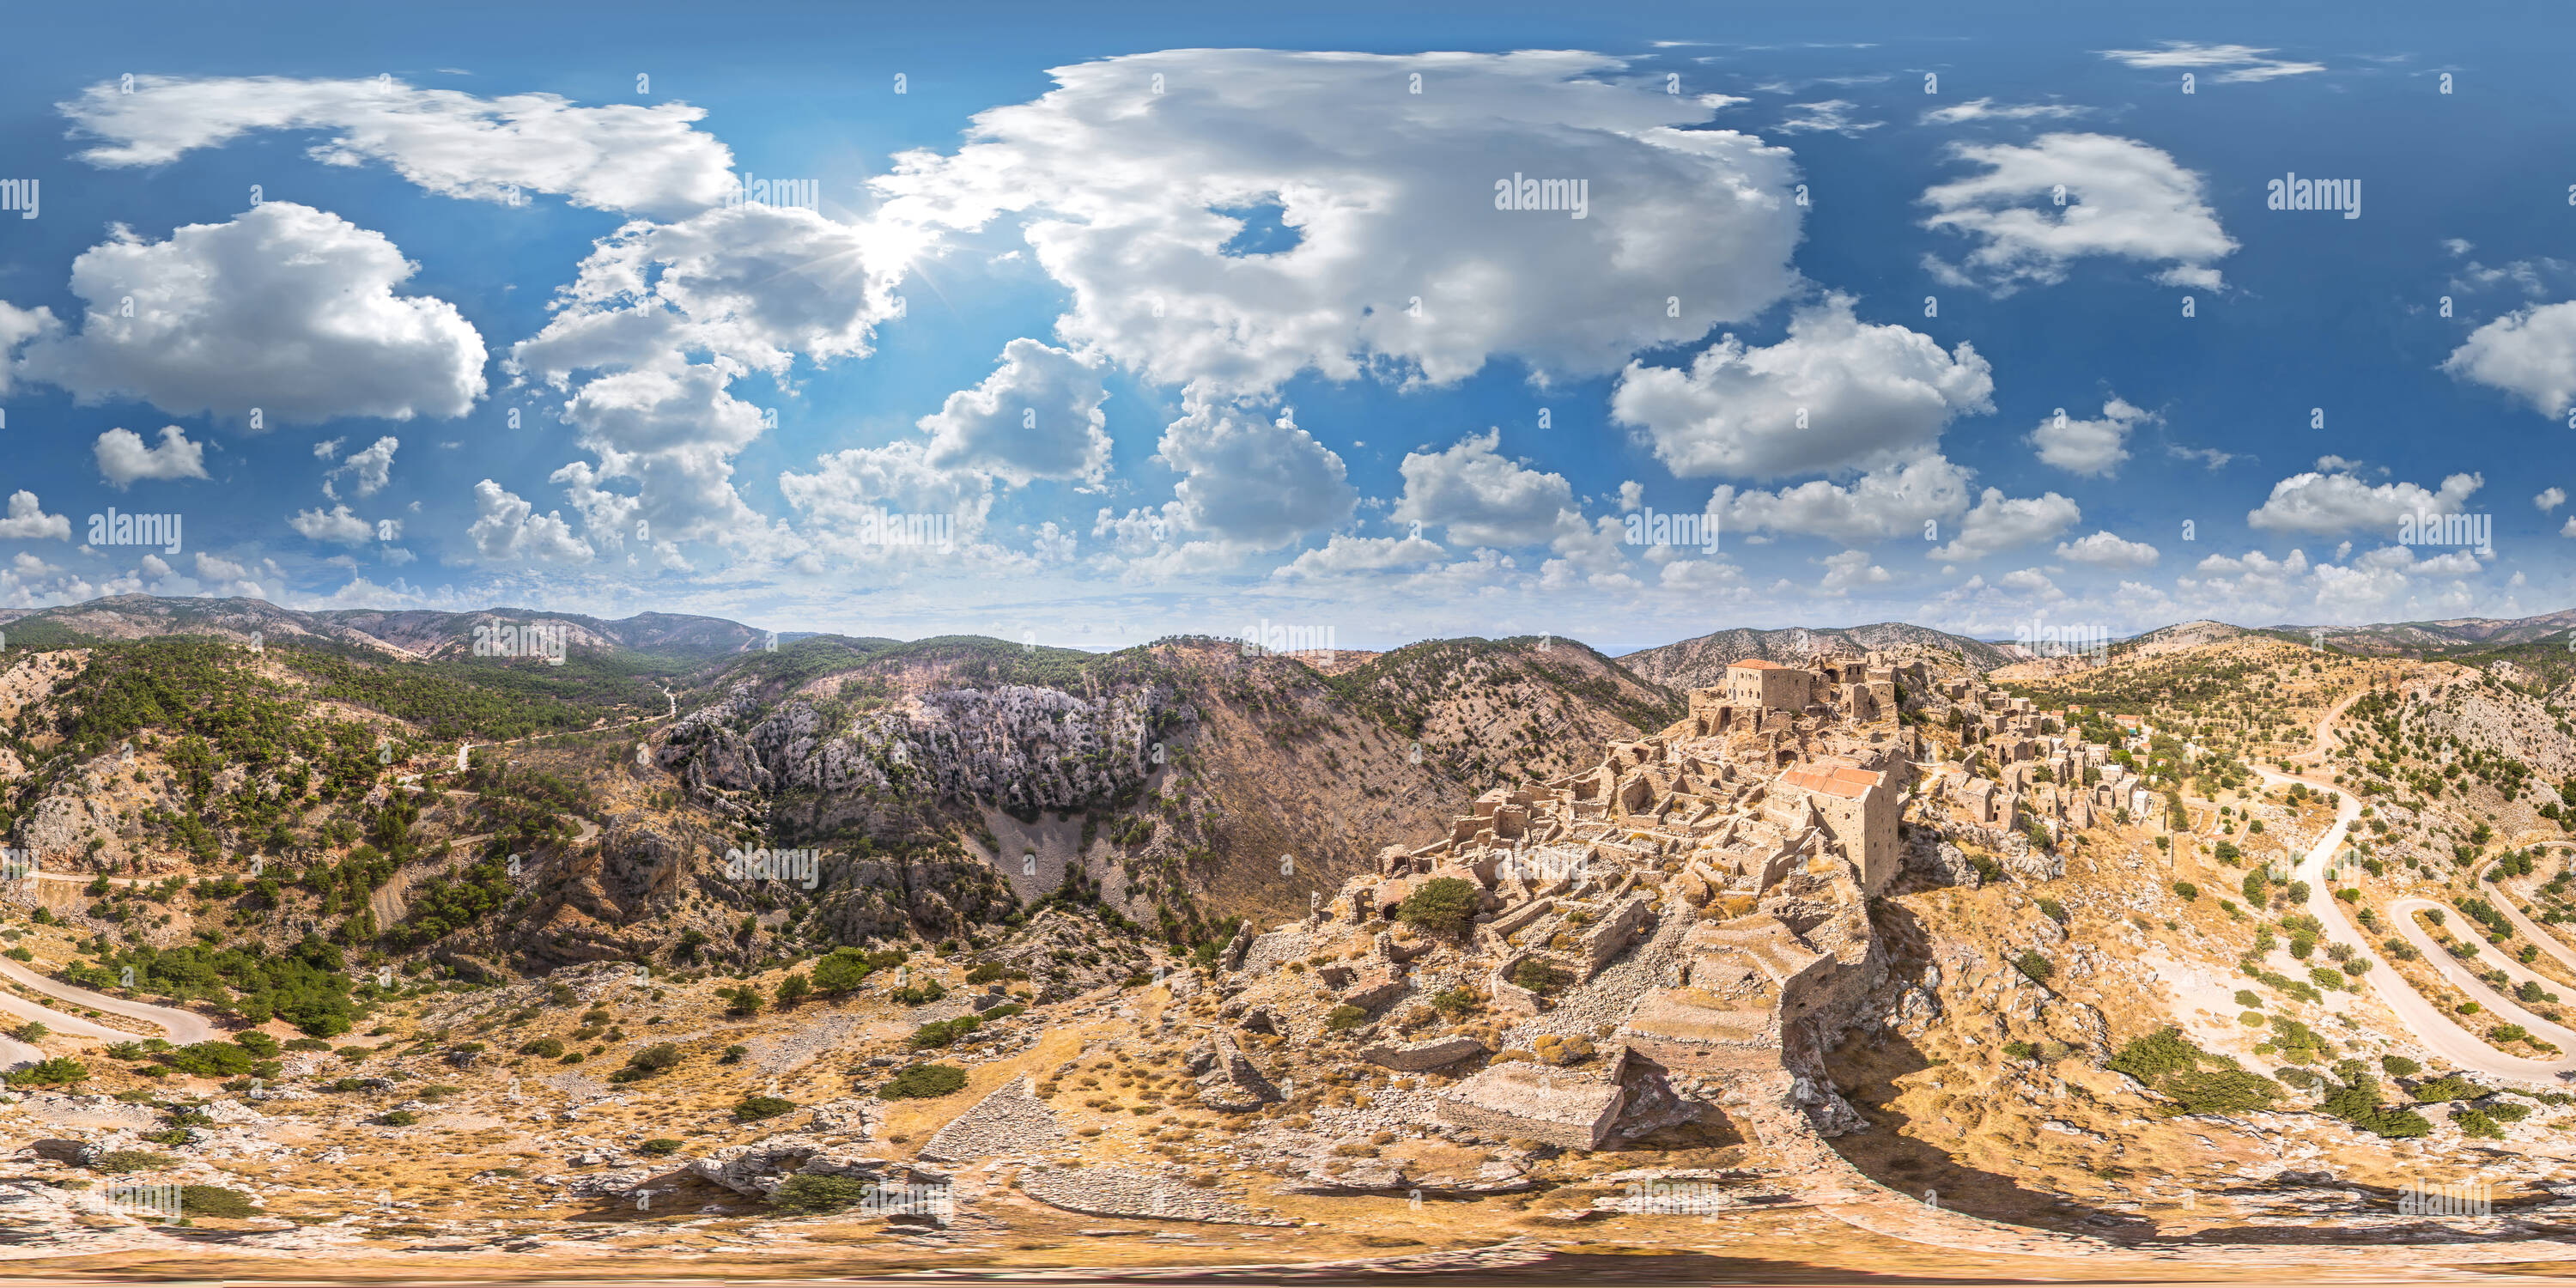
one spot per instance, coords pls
(423, 634)
(2441, 638)
(1702, 661)
(404, 633)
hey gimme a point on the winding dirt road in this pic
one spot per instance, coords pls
(178, 1026)
(2461, 977)
(2530, 929)
(185, 1027)
(2431, 1027)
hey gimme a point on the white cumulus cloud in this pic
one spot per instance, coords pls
(2529, 353)
(2102, 549)
(1848, 569)
(2089, 447)
(27, 520)
(1130, 200)
(1037, 416)
(658, 325)
(506, 527)
(1345, 554)
(1998, 523)
(372, 468)
(337, 526)
(124, 457)
(1879, 504)
(2123, 199)
(285, 308)
(1253, 482)
(1836, 393)
(2337, 501)
(1478, 497)
(646, 158)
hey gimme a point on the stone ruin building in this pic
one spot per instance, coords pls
(1693, 909)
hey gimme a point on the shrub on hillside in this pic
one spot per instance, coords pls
(216, 1201)
(923, 1082)
(119, 1162)
(2155, 1055)
(752, 1109)
(2220, 1091)
(1440, 906)
(48, 1073)
(2448, 1087)
(842, 971)
(809, 1193)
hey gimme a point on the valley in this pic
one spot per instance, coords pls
(2212, 955)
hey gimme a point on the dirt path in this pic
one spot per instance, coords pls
(2402, 912)
(2531, 930)
(1843, 1192)
(182, 1027)
(2421, 1017)
(2325, 739)
(392, 900)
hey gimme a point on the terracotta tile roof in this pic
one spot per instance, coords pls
(1755, 664)
(1832, 778)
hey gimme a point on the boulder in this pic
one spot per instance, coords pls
(848, 1116)
(758, 1168)
(1372, 991)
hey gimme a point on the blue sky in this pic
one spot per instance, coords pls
(1255, 345)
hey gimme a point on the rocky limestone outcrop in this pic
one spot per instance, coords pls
(758, 1168)
(1019, 747)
